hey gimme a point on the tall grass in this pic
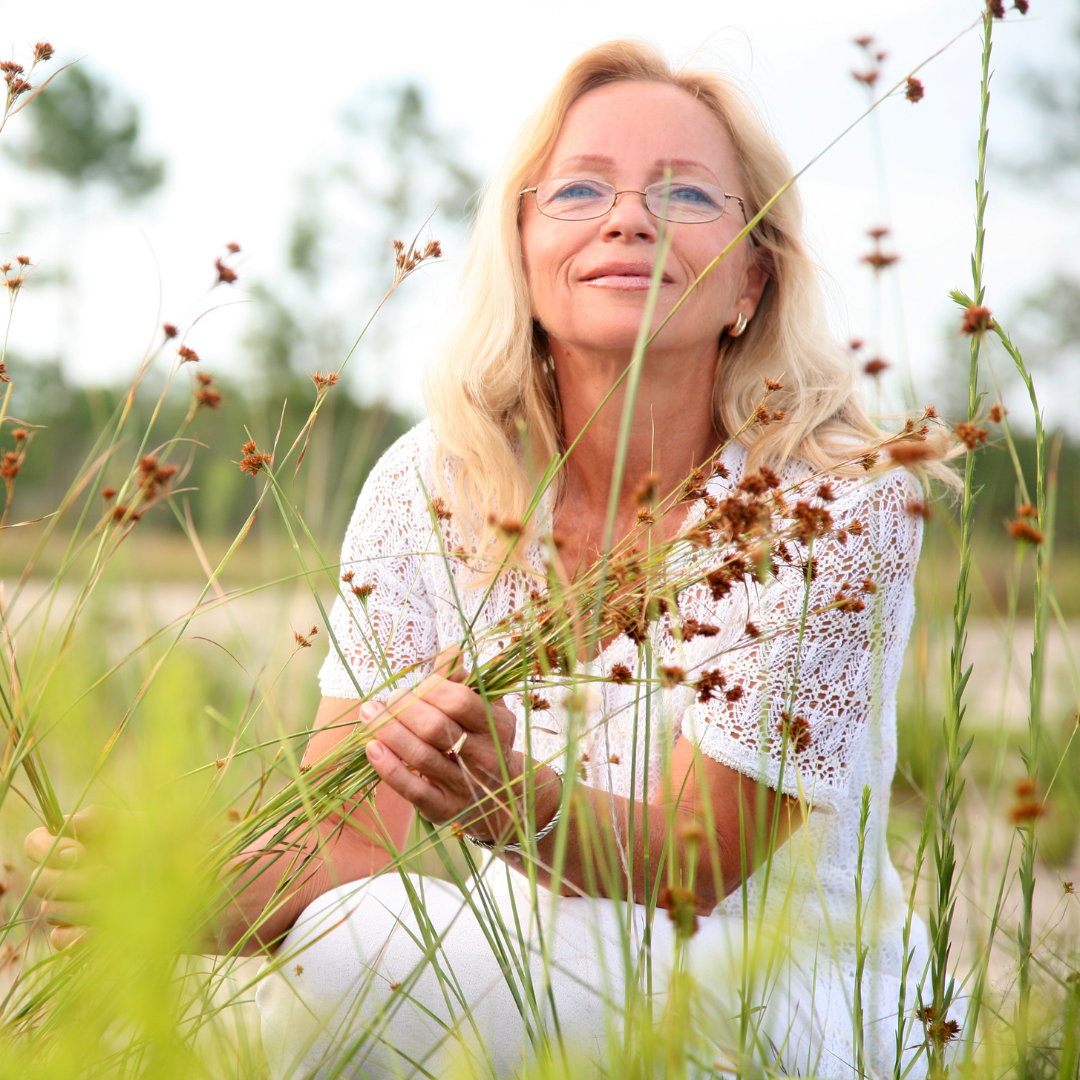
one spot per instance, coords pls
(186, 709)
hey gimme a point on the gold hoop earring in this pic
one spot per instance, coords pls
(738, 326)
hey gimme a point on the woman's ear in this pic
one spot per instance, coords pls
(753, 285)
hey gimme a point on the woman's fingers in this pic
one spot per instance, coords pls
(64, 937)
(417, 753)
(65, 913)
(43, 847)
(426, 797)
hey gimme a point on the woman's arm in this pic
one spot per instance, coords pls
(704, 827)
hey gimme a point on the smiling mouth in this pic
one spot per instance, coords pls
(631, 280)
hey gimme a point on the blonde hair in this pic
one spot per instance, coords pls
(494, 380)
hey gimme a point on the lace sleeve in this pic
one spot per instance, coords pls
(825, 678)
(382, 621)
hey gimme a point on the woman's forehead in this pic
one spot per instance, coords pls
(644, 125)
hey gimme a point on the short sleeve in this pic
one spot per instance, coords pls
(808, 688)
(382, 622)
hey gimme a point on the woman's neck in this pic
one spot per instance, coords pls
(671, 433)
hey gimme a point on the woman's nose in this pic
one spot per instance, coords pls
(629, 218)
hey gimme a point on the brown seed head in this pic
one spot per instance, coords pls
(208, 398)
(232, 247)
(620, 673)
(1028, 511)
(878, 231)
(441, 510)
(23, 260)
(773, 384)
(691, 832)
(19, 434)
(880, 259)
(691, 629)
(1027, 810)
(108, 493)
(855, 344)
(919, 509)
(362, 592)
(538, 703)
(187, 355)
(875, 367)
(1021, 6)
(797, 732)
(225, 273)
(681, 907)
(646, 491)
(43, 51)
(253, 461)
(324, 382)
(1024, 530)
(301, 641)
(169, 330)
(976, 320)
(709, 683)
(914, 91)
(996, 8)
(671, 676)
(348, 576)
(9, 465)
(848, 605)
(909, 451)
(997, 413)
(971, 435)
(1024, 786)
(204, 378)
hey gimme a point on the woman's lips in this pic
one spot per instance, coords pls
(628, 282)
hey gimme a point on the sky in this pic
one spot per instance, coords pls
(244, 98)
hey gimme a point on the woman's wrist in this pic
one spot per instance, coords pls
(510, 829)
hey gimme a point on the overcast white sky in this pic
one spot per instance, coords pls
(243, 97)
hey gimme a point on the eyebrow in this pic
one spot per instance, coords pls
(602, 159)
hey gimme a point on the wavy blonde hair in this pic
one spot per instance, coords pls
(495, 379)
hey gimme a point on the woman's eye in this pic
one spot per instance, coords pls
(692, 195)
(578, 189)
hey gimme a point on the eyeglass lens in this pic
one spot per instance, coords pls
(579, 199)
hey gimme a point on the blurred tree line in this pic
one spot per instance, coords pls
(397, 168)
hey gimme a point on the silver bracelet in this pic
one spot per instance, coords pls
(516, 848)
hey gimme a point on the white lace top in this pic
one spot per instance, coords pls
(840, 674)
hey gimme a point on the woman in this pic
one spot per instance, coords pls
(675, 783)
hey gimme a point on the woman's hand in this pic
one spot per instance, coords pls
(448, 753)
(70, 868)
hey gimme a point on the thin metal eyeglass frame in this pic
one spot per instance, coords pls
(645, 195)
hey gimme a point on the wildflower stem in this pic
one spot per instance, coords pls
(952, 786)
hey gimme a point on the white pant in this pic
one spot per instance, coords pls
(363, 988)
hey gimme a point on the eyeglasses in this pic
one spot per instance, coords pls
(576, 199)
